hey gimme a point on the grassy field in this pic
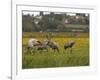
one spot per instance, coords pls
(79, 56)
(77, 26)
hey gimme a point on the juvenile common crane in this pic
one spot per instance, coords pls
(53, 45)
(43, 46)
(69, 45)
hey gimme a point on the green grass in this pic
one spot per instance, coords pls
(79, 56)
(77, 26)
(54, 34)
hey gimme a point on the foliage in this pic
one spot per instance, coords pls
(52, 22)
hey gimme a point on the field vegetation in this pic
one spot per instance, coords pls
(43, 59)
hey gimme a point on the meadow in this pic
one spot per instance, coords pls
(42, 59)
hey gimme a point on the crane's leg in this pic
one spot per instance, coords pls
(65, 50)
(71, 50)
(57, 50)
(46, 50)
(28, 50)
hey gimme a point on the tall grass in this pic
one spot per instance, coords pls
(43, 59)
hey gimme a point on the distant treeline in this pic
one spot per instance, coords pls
(54, 22)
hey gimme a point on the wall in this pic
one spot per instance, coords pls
(5, 33)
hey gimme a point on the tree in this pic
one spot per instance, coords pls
(41, 13)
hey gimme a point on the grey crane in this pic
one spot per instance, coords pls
(53, 45)
(42, 46)
(69, 45)
(32, 43)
